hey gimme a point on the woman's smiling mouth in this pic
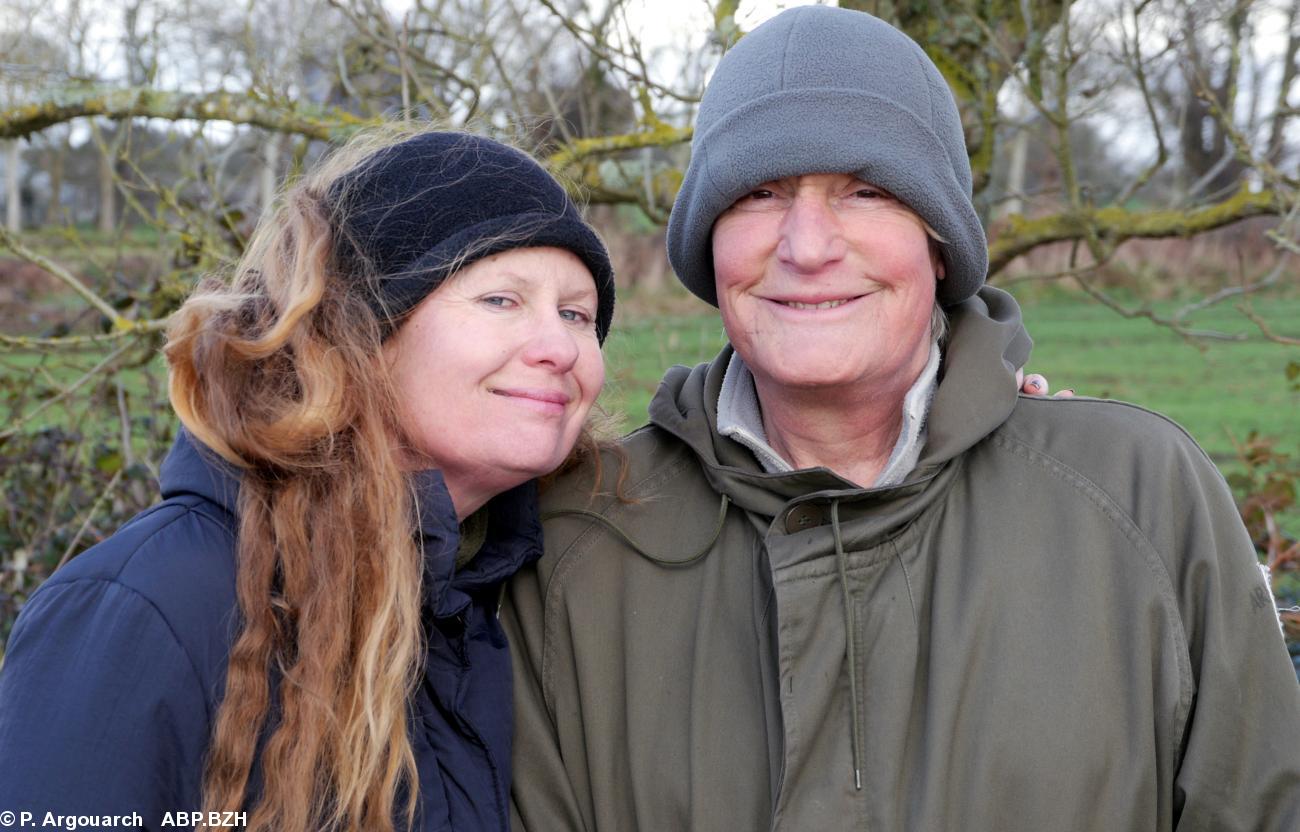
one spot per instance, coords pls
(546, 401)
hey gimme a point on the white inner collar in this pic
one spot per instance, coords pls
(740, 418)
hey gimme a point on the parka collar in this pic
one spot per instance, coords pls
(193, 468)
(976, 394)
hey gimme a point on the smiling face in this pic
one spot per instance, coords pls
(497, 370)
(826, 282)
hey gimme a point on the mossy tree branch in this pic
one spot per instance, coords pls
(578, 164)
(580, 150)
(1115, 224)
(575, 161)
(325, 124)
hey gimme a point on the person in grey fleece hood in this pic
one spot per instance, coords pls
(814, 604)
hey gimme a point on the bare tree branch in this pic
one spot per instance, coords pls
(323, 123)
(1117, 224)
(1265, 329)
(102, 367)
(615, 58)
(90, 515)
(573, 153)
(72, 281)
(1132, 51)
(68, 342)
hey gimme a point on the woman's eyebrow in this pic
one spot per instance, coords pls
(525, 278)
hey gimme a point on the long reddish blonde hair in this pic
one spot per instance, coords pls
(279, 371)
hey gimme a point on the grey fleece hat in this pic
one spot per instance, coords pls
(826, 90)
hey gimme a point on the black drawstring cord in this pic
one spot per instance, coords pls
(851, 652)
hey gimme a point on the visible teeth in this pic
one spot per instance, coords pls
(827, 304)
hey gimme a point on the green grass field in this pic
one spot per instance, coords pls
(1222, 391)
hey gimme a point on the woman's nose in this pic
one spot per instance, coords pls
(553, 344)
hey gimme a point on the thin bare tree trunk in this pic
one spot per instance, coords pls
(58, 148)
(14, 214)
(270, 170)
(1290, 69)
(1015, 203)
(107, 190)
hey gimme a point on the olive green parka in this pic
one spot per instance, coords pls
(1057, 622)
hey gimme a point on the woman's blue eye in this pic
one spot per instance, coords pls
(499, 301)
(575, 315)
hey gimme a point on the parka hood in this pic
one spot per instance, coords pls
(976, 394)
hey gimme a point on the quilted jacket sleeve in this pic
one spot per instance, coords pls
(101, 710)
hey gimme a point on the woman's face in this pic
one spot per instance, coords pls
(497, 370)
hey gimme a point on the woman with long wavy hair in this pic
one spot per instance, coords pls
(304, 629)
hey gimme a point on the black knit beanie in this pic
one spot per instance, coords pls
(414, 213)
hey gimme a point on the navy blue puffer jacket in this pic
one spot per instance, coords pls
(117, 664)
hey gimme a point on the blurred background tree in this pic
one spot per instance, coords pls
(1135, 165)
